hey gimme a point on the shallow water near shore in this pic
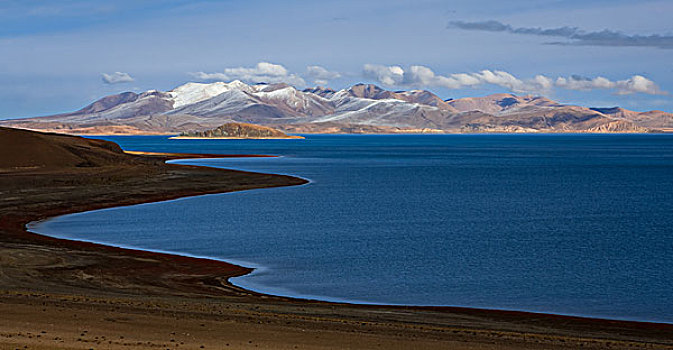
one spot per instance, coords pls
(567, 224)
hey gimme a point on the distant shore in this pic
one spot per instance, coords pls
(172, 135)
(234, 138)
(70, 294)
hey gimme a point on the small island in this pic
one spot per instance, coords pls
(237, 131)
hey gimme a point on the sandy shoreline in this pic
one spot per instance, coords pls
(69, 294)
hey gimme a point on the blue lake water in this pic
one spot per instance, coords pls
(568, 224)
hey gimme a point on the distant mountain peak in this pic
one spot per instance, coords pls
(319, 89)
(500, 103)
(190, 93)
(366, 91)
(273, 87)
(108, 102)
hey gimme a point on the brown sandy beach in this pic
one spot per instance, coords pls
(59, 294)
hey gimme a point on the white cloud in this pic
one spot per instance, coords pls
(632, 85)
(584, 84)
(386, 75)
(466, 79)
(503, 79)
(543, 82)
(263, 72)
(321, 75)
(421, 76)
(424, 76)
(638, 84)
(116, 78)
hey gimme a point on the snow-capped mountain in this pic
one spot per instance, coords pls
(359, 108)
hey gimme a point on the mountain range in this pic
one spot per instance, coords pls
(361, 108)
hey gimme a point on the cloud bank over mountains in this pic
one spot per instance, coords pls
(263, 72)
(577, 36)
(421, 76)
(635, 84)
(418, 77)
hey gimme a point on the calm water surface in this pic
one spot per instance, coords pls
(569, 224)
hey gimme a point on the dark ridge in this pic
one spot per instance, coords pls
(606, 110)
(507, 101)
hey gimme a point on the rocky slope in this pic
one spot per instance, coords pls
(360, 108)
(239, 131)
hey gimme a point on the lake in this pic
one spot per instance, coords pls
(566, 224)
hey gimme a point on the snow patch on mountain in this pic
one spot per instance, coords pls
(226, 102)
(196, 92)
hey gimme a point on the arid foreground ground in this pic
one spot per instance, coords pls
(57, 294)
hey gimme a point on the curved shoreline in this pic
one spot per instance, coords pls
(188, 156)
(214, 260)
(512, 315)
(252, 269)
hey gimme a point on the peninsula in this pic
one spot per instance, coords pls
(237, 131)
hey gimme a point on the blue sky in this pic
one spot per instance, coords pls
(54, 54)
